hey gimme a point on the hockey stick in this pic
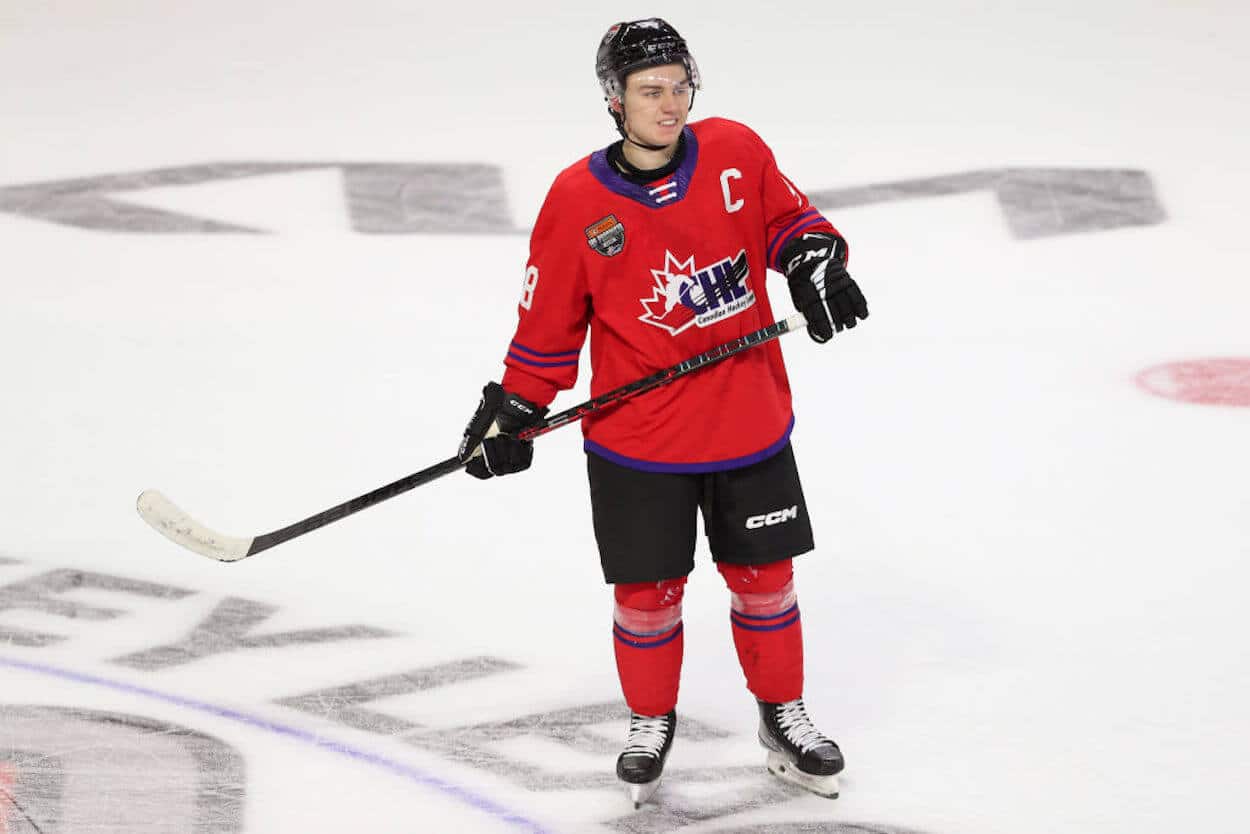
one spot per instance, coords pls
(168, 520)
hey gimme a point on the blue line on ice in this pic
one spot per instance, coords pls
(398, 768)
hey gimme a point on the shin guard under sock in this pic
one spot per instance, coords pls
(647, 633)
(767, 631)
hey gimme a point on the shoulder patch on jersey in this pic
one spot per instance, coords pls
(606, 236)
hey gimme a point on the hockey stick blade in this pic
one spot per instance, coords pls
(166, 518)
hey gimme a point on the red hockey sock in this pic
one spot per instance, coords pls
(647, 634)
(767, 632)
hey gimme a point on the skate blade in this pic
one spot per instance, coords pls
(786, 771)
(639, 794)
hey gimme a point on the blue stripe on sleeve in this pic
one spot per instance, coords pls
(785, 233)
(814, 222)
(532, 352)
(525, 361)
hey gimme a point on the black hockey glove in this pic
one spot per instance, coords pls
(488, 444)
(815, 267)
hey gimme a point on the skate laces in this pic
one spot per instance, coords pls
(793, 721)
(646, 735)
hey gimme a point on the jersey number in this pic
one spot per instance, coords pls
(527, 289)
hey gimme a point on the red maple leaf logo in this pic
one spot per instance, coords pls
(665, 308)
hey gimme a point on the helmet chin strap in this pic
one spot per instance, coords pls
(635, 142)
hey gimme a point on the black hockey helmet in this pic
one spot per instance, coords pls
(634, 45)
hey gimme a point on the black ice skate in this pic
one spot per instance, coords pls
(641, 763)
(797, 752)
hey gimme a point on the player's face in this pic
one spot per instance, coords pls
(657, 103)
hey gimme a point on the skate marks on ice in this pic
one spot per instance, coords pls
(441, 198)
(72, 769)
(580, 741)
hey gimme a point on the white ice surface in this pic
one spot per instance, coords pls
(1024, 610)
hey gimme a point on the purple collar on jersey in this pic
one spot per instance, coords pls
(649, 197)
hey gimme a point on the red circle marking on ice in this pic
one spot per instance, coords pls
(1202, 381)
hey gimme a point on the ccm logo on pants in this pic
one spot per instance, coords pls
(775, 517)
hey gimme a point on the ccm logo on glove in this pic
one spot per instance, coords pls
(815, 266)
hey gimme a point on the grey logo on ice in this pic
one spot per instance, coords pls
(755, 522)
(54, 760)
(470, 198)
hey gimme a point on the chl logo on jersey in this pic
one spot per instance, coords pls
(606, 236)
(686, 294)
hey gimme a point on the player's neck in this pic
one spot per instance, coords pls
(648, 160)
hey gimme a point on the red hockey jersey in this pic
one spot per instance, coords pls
(649, 270)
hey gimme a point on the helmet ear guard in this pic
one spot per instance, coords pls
(617, 113)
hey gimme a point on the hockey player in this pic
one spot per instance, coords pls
(658, 245)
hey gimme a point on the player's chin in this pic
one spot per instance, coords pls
(670, 131)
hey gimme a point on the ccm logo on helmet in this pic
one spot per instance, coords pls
(775, 517)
